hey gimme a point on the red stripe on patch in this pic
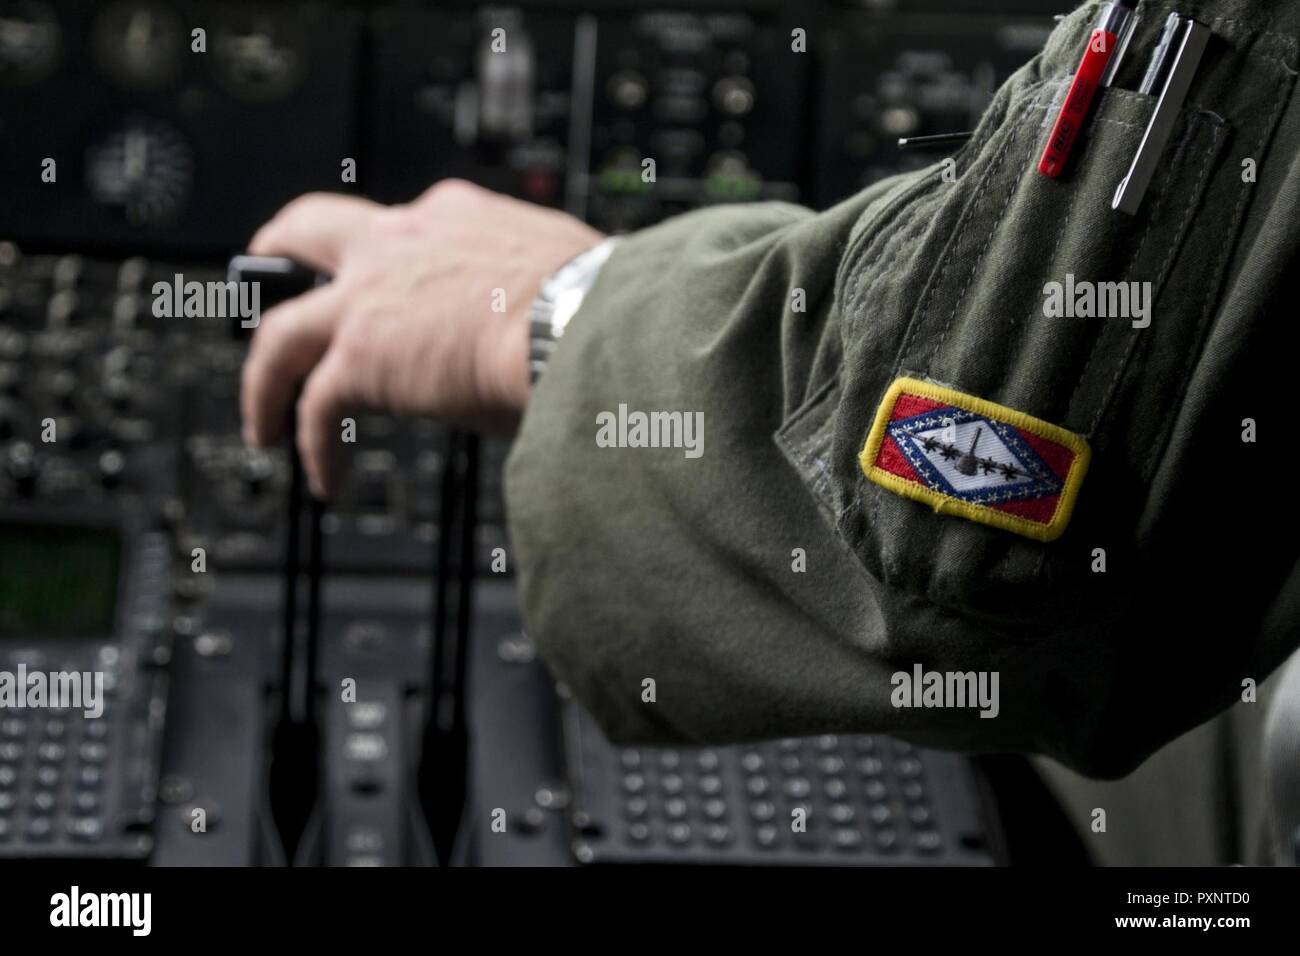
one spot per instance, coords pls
(892, 460)
(908, 405)
(1057, 457)
(1034, 509)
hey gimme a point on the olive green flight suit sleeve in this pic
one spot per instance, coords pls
(767, 588)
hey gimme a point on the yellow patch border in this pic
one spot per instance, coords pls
(946, 504)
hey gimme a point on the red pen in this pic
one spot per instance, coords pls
(1094, 72)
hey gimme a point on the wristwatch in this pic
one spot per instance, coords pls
(557, 301)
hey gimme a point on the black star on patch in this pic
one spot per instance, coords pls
(949, 453)
(989, 466)
(1010, 473)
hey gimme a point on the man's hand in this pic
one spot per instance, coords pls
(407, 325)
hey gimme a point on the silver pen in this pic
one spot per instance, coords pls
(1189, 45)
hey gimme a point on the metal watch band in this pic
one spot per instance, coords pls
(558, 300)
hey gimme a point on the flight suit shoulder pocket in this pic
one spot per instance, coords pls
(973, 315)
(1038, 296)
(1030, 291)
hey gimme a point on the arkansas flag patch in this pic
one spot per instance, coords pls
(966, 456)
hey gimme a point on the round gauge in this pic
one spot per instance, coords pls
(256, 58)
(139, 44)
(29, 42)
(146, 168)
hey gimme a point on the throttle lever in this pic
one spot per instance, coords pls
(296, 737)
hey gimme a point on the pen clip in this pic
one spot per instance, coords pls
(1191, 46)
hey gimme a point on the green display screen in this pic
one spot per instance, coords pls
(57, 581)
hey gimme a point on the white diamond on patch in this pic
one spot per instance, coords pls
(970, 456)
